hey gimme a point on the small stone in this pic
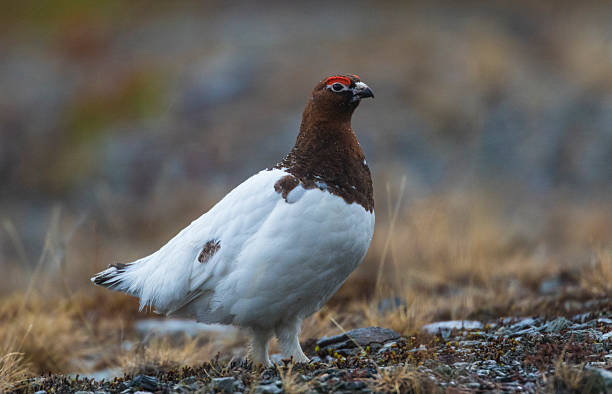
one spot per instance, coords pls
(391, 304)
(605, 378)
(581, 317)
(523, 323)
(225, 385)
(315, 359)
(355, 338)
(557, 325)
(270, 388)
(41, 392)
(189, 380)
(421, 348)
(353, 386)
(145, 382)
(444, 369)
(550, 286)
(581, 335)
(605, 321)
(471, 343)
(483, 372)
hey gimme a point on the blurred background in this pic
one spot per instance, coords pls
(490, 138)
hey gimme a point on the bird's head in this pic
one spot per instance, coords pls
(339, 94)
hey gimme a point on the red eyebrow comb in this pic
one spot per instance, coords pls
(342, 80)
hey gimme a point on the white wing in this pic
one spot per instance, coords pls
(266, 258)
(173, 276)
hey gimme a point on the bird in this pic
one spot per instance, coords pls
(279, 245)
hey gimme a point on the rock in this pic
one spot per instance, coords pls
(444, 328)
(421, 348)
(270, 388)
(315, 359)
(187, 385)
(189, 381)
(557, 325)
(581, 317)
(581, 335)
(603, 379)
(225, 385)
(352, 386)
(531, 333)
(527, 322)
(41, 392)
(355, 338)
(391, 304)
(550, 286)
(145, 382)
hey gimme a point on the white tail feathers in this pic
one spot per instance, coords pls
(114, 278)
(157, 284)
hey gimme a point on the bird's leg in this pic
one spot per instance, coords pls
(289, 341)
(258, 352)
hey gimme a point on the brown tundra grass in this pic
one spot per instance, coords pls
(450, 256)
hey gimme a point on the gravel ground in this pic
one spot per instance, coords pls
(513, 354)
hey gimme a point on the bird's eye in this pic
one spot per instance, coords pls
(337, 87)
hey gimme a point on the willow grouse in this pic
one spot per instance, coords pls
(279, 245)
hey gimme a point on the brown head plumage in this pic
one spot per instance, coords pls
(338, 96)
(326, 154)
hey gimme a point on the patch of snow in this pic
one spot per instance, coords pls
(190, 328)
(106, 374)
(444, 327)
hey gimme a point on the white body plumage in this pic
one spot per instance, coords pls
(278, 260)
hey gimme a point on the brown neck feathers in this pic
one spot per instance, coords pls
(327, 155)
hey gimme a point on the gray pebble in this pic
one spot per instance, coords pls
(557, 325)
(145, 382)
(226, 385)
(270, 388)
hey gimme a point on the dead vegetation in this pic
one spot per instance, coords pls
(442, 257)
(402, 379)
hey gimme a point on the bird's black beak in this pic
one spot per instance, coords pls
(361, 90)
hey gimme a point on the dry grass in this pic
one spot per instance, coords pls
(164, 353)
(571, 378)
(292, 383)
(402, 379)
(52, 335)
(450, 256)
(597, 276)
(13, 370)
